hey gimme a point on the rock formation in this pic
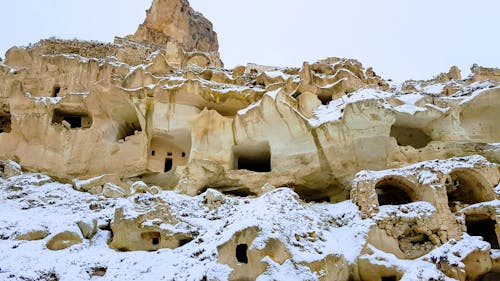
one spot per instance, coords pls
(323, 172)
(175, 20)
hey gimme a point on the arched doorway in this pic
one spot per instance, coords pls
(394, 190)
(465, 187)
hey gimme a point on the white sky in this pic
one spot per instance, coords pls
(401, 39)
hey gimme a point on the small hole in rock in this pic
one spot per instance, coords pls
(241, 253)
(56, 90)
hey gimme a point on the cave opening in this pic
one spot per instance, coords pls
(389, 278)
(168, 164)
(152, 237)
(484, 226)
(414, 137)
(253, 157)
(184, 241)
(240, 192)
(325, 99)
(491, 276)
(296, 95)
(393, 191)
(241, 253)
(129, 129)
(466, 187)
(5, 123)
(56, 90)
(73, 119)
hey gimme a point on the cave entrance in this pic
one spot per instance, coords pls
(468, 187)
(73, 119)
(393, 191)
(325, 99)
(491, 276)
(389, 278)
(252, 157)
(414, 137)
(129, 129)
(241, 253)
(56, 90)
(168, 165)
(5, 123)
(484, 226)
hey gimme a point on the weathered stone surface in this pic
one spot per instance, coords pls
(88, 228)
(243, 165)
(33, 235)
(63, 240)
(245, 260)
(88, 184)
(113, 191)
(138, 187)
(169, 20)
(9, 169)
(143, 232)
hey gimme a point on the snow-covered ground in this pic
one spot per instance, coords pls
(36, 202)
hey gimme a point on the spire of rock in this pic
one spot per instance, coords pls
(168, 20)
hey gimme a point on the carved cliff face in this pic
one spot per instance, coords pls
(169, 20)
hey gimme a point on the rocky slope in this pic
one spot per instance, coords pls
(146, 159)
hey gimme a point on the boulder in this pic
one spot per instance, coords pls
(139, 187)
(33, 235)
(9, 168)
(88, 228)
(88, 184)
(63, 240)
(113, 191)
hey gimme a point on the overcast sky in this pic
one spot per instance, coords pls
(400, 39)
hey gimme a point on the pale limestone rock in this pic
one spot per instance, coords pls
(88, 184)
(63, 240)
(96, 190)
(477, 263)
(138, 187)
(154, 190)
(455, 73)
(213, 199)
(33, 235)
(245, 260)
(9, 169)
(110, 190)
(331, 268)
(88, 228)
(238, 71)
(267, 188)
(158, 106)
(143, 231)
(171, 20)
(480, 73)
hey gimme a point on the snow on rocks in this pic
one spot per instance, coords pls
(317, 240)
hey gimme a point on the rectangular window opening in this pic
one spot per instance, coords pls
(71, 119)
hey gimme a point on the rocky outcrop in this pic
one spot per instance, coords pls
(325, 171)
(175, 20)
(147, 231)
